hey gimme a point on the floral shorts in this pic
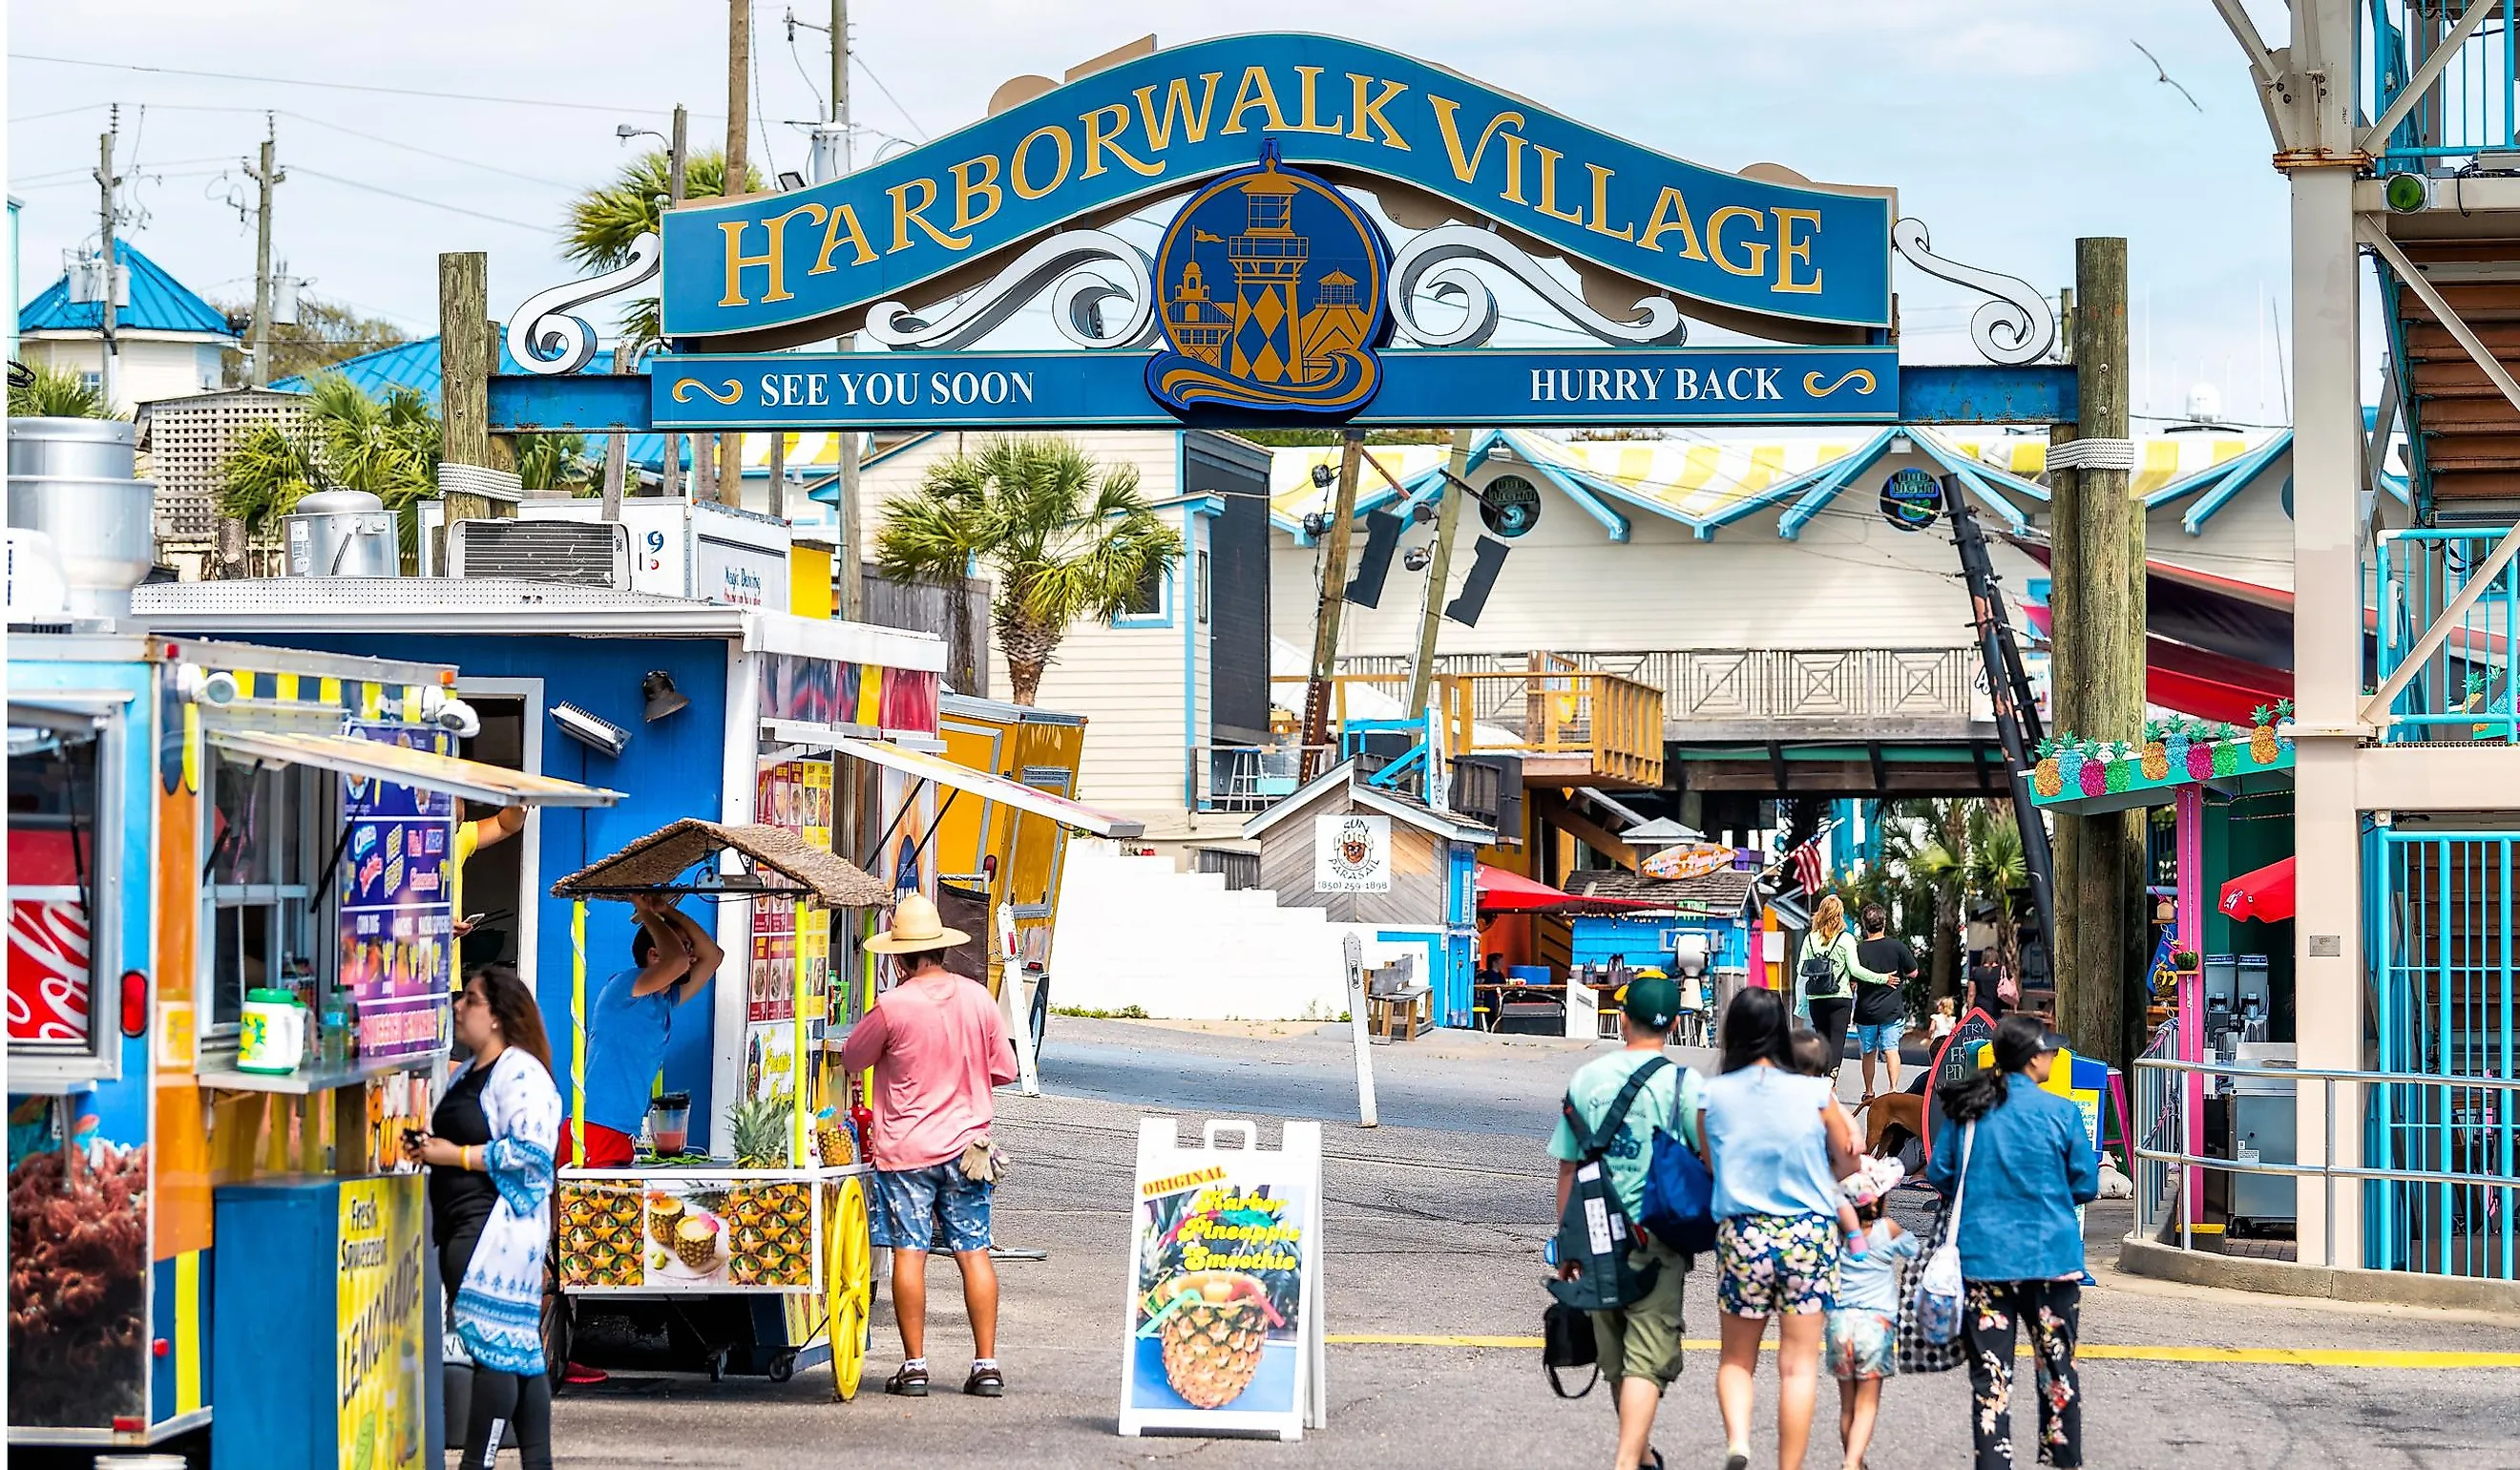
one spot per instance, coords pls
(934, 1208)
(1860, 1344)
(1776, 1264)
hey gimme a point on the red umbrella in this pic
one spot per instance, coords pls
(1504, 892)
(2265, 894)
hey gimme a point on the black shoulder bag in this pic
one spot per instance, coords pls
(1595, 1234)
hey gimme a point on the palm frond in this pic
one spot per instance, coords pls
(58, 393)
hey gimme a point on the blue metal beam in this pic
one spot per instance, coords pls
(578, 403)
(1790, 525)
(2039, 393)
(1574, 489)
(2244, 470)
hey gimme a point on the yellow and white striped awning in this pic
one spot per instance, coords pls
(2161, 460)
(1698, 478)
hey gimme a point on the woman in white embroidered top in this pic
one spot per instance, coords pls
(490, 1183)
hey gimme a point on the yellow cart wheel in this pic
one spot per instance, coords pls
(848, 1281)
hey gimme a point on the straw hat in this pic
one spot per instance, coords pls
(916, 927)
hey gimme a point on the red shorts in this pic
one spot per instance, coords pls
(606, 1147)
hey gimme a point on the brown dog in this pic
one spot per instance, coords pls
(1889, 1110)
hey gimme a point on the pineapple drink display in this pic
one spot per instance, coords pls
(1219, 1298)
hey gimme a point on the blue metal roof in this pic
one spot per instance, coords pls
(158, 303)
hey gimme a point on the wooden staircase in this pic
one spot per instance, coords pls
(2465, 435)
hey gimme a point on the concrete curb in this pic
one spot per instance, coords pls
(2168, 1263)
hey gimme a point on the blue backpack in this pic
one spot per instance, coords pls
(1680, 1193)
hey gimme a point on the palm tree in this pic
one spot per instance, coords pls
(606, 220)
(555, 462)
(389, 447)
(56, 393)
(1068, 539)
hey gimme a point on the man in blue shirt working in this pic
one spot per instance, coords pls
(630, 1019)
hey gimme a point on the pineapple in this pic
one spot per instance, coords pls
(664, 1218)
(2045, 778)
(758, 1128)
(2284, 717)
(2156, 751)
(1213, 1341)
(2226, 752)
(696, 1241)
(2262, 737)
(2069, 762)
(2096, 769)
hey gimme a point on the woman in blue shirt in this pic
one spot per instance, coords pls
(1777, 1143)
(2028, 1163)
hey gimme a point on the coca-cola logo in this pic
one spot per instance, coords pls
(48, 970)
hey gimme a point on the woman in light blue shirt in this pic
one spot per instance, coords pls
(1777, 1143)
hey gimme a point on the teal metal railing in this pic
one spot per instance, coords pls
(2462, 691)
(2440, 1107)
(2471, 110)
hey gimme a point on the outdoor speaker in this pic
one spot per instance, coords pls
(1485, 563)
(1373, 563)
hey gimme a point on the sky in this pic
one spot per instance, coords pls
(2009, 130)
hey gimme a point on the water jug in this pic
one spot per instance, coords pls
(272, 1036)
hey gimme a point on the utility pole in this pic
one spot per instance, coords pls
(2097, 672)
(106, 373)
(852, 600)
(671, 484)
(464, 368)
(1325, 614)
(738, 130)
(1430, 618)
(266, 178)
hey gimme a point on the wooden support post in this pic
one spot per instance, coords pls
(1325, 615)
(464, 366)
(739, 170)
(617, 447)
(1439, 571)
(2099, 674)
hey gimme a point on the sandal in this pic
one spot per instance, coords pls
(985, 1383)
(908, 1382)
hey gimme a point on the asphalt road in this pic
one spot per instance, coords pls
(1434, 1223)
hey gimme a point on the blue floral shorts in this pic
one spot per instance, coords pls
(1776, 1264)
(930, 1209)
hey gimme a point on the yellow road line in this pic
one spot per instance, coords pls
(2320, 1358)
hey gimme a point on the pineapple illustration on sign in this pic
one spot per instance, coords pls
(2156, 751)
(1219, 1277)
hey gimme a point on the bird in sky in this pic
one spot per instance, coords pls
(2161, 73)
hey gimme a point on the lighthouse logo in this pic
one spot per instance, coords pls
(1271, 287)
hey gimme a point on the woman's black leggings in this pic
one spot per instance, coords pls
(1829, 1017)
(509, 1407)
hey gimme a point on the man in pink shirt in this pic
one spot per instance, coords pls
(937, 1046)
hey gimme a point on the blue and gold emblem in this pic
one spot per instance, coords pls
(1271, 283)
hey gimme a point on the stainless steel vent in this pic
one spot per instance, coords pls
(583, 553)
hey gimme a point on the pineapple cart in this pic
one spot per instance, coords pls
(765, 1251)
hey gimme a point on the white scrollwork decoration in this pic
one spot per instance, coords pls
(545, 337)
(1440, 263)
(1077, 268)
(2017, 326)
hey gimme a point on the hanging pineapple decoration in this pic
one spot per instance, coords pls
(1218, 1273)
(2121, 767)
(2044, 777)
(2096, 768)
(2283, 718)
(2156, 750)
(2262, 735)
(2069, 762)
(2189, 751)
(2226, 750)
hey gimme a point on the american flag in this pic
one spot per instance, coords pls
(1807, 869)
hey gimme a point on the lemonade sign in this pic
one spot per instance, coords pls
(381, 1394)
(1224, 1317)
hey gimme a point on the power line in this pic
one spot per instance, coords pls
(337, 86)
(413, 199)
(860, 59)
(85, 106)
(427, 153)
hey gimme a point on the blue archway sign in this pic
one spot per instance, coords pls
(1277, 297)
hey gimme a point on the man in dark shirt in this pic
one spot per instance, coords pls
(1880, 1013)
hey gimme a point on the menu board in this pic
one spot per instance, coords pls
(792, 941)
(397, 920)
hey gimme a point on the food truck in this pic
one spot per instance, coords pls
(229, 964)
(701, 711)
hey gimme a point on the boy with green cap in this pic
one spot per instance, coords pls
(1638, 1343)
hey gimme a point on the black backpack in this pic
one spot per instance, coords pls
(1595, 1231)
(1821, 980)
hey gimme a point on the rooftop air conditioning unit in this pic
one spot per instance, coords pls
(582, 552)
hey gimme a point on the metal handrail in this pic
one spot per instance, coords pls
(2153, 1072)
